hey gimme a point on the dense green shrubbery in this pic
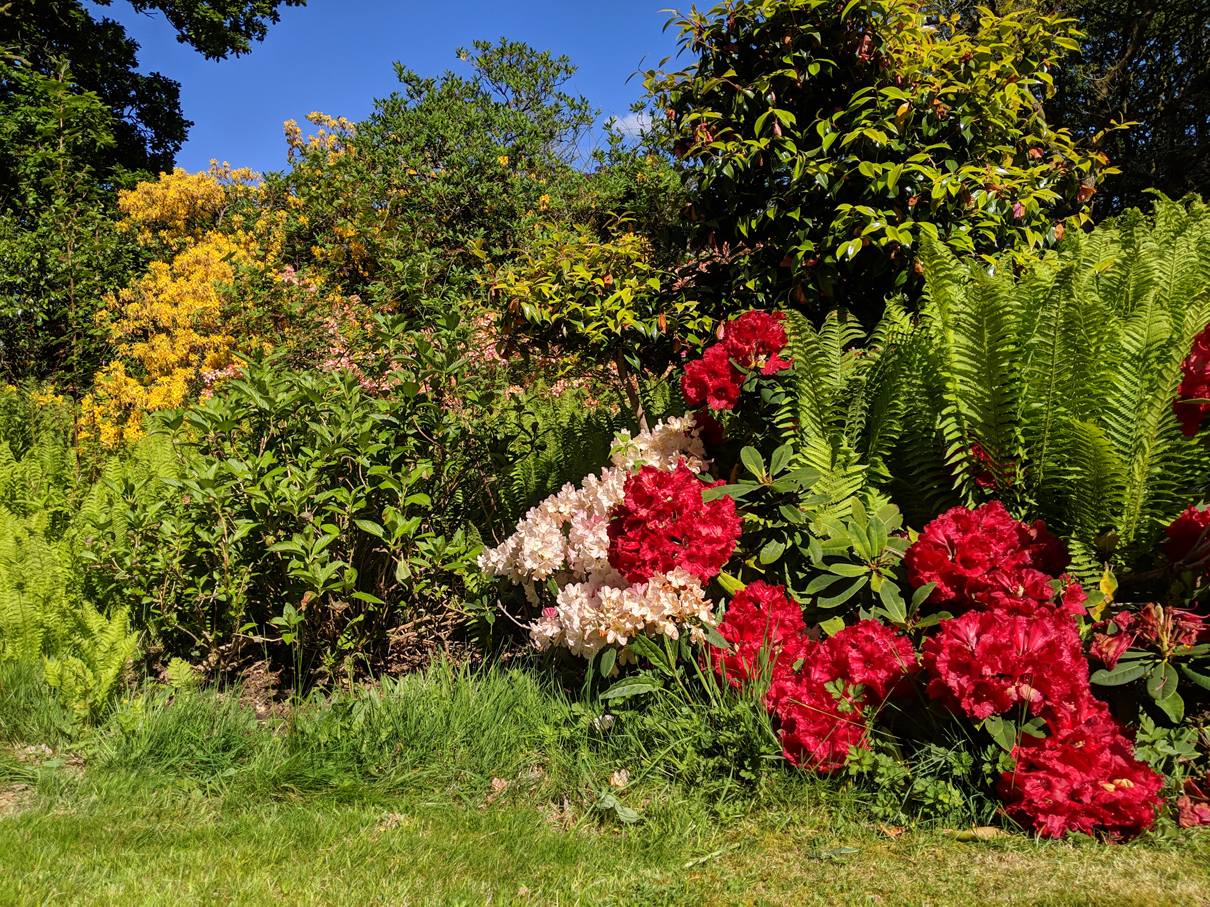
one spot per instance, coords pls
(435, 338)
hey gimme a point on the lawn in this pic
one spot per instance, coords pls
(111, 844)
(492, 787)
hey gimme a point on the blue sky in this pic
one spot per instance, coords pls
(336, 56)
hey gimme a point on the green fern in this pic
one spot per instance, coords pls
(44, 614)
(1053, 389)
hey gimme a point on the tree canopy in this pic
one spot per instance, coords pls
(150, 126)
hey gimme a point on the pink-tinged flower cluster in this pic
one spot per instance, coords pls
(1169, 631)
(1187, 534)
(752, 342)
(1082, 778)
(989, 663)
(1195, 385)
(1193, 805)
(662, 523)
(984, 558)
(566, 538)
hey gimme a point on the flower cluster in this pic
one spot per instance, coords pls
(822, 706)
(662, 524)
(751, 342)
(764, 627)
(986, 663)
(1170, 631)
(567, 539)
(1195, 386)
(985, 558)
(819, 690)
(1017, 651)
(1084, 778)
(1189, 534)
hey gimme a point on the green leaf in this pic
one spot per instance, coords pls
(837, 600)
(792, 515)
(1200, 679)
(730, 584)
(1173, 706)
(634, 685)
(1120, 675)
(609, 658)
(1002, 731)
(1162, 682)
(753, 461)
(736, 492)
(824, 581)
(772, 552)
(371, 527)
(921, 595)
(859, 515)
(781, 459)
(848, 569)
(624, 813)
(367, 597)
(893, 601)
(645, 648)
(832, 625)
(715, 638)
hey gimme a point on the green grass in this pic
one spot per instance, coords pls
(457, 788)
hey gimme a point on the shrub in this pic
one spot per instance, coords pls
(828, 140)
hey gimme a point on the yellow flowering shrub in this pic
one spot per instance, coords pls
(182, 206)
(174, 328)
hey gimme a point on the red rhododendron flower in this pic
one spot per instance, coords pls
(1195, 385)
(754, 340)
(1083, 778)
(990, 663)
(876, 656)
(1025, 591)
(968, 552)
(821, 716)
(821, 705)
(760, 622)
(1186, 533)
(663, 523)
(712, 380)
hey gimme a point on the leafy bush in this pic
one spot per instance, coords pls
(304, 511)
(828, 140)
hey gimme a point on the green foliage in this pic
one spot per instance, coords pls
(452, 164)
(1145, 62)
(950, 782)
(572, 289)
(302, 511)
(46, 617)
(1053, 390)
(829, 141)
(60, 250)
